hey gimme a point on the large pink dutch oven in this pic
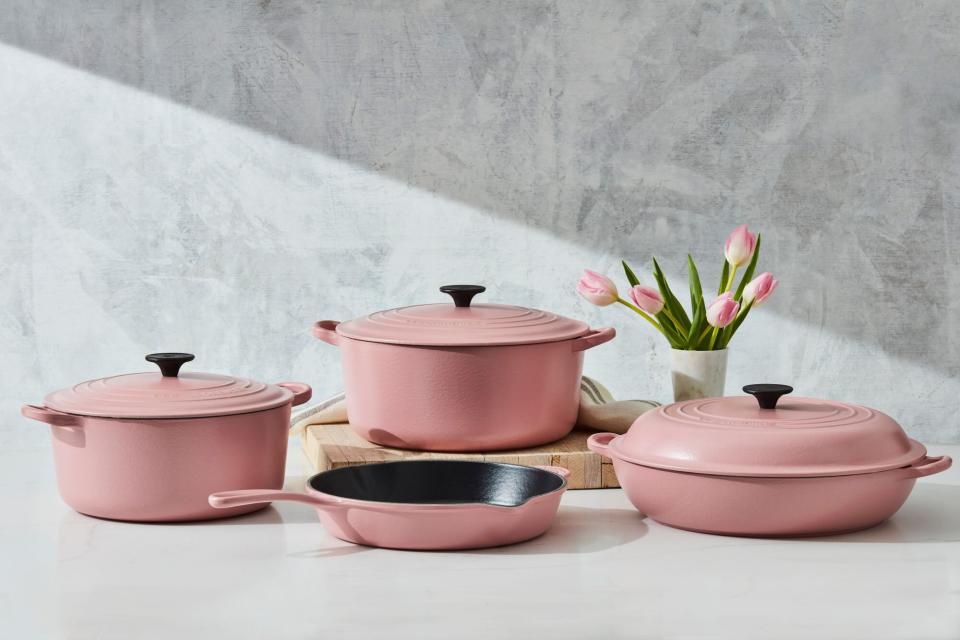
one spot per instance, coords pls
(462, 377)
(153, 446)
(740, 466)
(426, 504)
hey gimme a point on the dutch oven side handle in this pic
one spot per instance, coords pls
(301, 391)
(929, 466)
(594, 338)
(49, 416)
(599, 443)
(326, 330)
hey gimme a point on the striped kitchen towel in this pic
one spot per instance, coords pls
(598, 410)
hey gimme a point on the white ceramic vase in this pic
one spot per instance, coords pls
(697, 374)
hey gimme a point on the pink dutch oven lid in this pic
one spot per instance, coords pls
(744, 436)
(167, 394)
(462, 324)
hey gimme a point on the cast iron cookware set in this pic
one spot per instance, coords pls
(174, 446)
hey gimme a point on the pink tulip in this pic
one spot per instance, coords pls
(760, 288)
(647, 298)
(723, 310)
(739, 247)
(597, 289)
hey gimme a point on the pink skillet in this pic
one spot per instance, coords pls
(426, 504)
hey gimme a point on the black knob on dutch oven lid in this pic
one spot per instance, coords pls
(462, 294)
(169, 363)
(767, 394)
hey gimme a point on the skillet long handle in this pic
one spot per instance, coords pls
(243, 497)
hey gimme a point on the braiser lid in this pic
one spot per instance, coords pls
(167, 394)
(462, 324)
(743, 436)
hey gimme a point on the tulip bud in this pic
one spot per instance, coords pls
(760, 288)
(647, 298)
(597, 289)
(739, 246)
(722, 311)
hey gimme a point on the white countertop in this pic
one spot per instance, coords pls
(602, 571)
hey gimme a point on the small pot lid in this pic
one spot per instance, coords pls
(761, 437)
(167, 394)
(462, 324)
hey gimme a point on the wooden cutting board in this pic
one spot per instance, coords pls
(331, 446)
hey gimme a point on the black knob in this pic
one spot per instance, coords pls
(170, 363)
(462, 294)
(767, 394)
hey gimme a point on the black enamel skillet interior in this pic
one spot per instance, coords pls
(438, 482)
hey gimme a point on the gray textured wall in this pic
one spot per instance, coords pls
(213, 176)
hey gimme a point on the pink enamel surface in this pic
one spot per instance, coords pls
(441, 527)
(433, 527)
(448, 325)
(734, 436)
(164, 470)
(437, 527)
(151, 395)
(461, 398)
(764, 507)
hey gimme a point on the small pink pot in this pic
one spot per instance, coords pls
(426, 504)
(149, 465)
(804, 467)
(444, 377)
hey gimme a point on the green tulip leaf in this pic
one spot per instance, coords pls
(670, 301)
(666, 322)
(748, 274)
(731, 328)
(696, 291)
(696, 327)
(631, 276)
(673, 336)
(723, 276)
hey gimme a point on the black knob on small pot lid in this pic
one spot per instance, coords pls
(462, 294)
(767, 394)
(170, 363)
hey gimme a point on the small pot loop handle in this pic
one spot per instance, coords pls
(462, 294)
(599, 443)
(169, 363)
(929, 466)
(767, 395)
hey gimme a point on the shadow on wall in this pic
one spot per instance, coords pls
(631, 129)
